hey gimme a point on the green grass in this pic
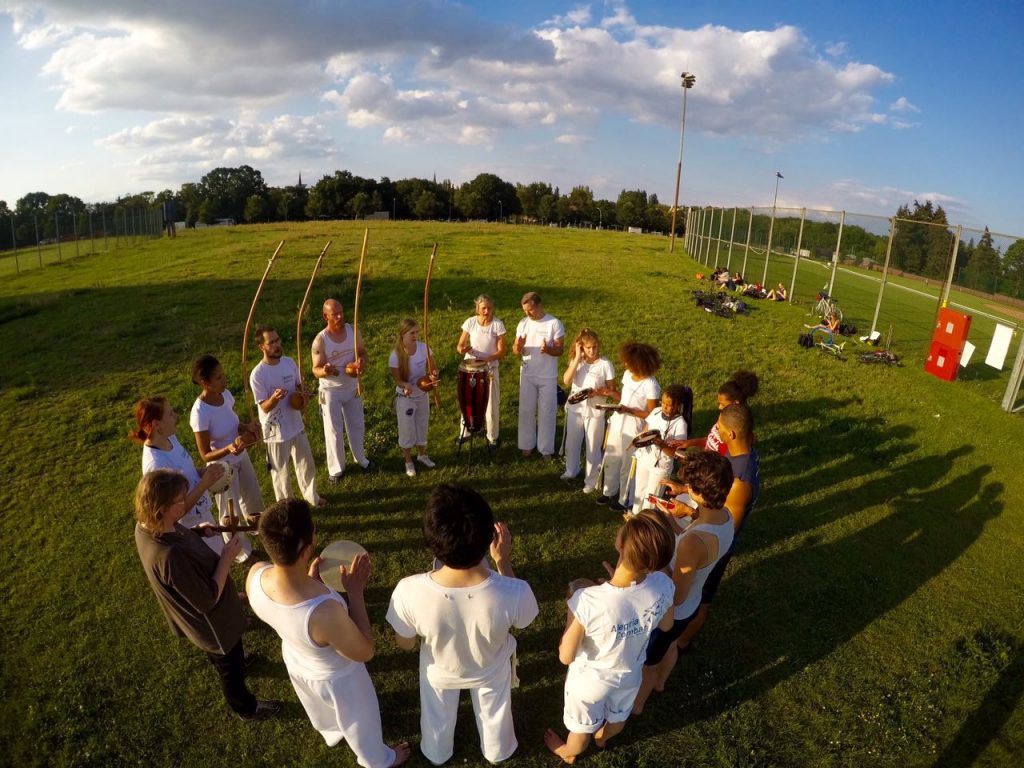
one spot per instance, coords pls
(871, 617)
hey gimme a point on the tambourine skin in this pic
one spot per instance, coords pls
(580, 396)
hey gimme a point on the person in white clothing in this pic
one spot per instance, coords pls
(277, 388)
(606, 632)
(637, 398)
(699, 546)
(336, 364)
(584, 424)
(220, 435)
(156, 428)
(462, 613)
(411, 369)
(325, 642)
(655, 462)
(540, 339)
(483, 339)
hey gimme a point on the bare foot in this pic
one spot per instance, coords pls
(554, 742)
(637, 711)
(402, 753)
(526, 453)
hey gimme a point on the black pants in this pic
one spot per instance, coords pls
(231, 668)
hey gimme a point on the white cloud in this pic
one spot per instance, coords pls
(902, 104)
(571, 139)
(856, 196)
(577, 16)
(835, 49)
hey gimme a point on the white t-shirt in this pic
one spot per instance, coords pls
(483, 338)
(536, 364)
(617, 623)
(652, 455)
(589, 376)
(283, 422)
(220, 421)
(339, 354)
(178, 460)
(635, 394)
(464, 630)
(417, 367)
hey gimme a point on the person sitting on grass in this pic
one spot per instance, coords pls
(828, 327)
(707, 478)
(606, 633)
(778, 293)
(324, 641)
(462, 613)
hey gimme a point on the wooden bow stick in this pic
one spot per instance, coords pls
(426, 337)
(300, 402)
(245, 334)
(355, 319)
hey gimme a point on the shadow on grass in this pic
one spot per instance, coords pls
(777, 616)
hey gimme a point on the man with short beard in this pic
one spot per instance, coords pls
(277, 389)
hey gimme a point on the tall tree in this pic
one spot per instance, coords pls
(1013, 267)
(227, 190)
(631, 208)
(487, 197)
(984, 268)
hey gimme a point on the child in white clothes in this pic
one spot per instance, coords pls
(462, 613)
(637, 398)
(606, 634)
(584, 424)
(413, 370)
(325, 643)
(654, 462)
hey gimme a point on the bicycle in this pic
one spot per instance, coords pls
(825, 340)
(825, 306)
(879, 356)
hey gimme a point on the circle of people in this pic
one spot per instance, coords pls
(683, 511)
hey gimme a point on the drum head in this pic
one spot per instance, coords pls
(472, 366)
(335, 554)
(225, 480)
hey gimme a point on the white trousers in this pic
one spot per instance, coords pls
(493, 406)
(538, 410)
(587, 433)
(646, 480)
(244, 491)
(298, 450)
(346, 708)
(342, 412)
(413, 419)
(618, 457)
(492, 706)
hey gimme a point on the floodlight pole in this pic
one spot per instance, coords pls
(688, 80)
(771, 226)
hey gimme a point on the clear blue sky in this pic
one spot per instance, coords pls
(861, 106)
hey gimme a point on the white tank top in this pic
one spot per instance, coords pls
(339, 354)
(303, 657)
(721, 531)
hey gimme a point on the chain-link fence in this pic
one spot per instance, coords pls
(33, 240)
(889, 275)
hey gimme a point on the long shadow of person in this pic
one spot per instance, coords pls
(777, 616)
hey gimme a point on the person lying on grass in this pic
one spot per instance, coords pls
(606, 633)
(324, 641)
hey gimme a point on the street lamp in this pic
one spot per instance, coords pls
(688, 80)
(771, 226)
(501, 211)
(600, 218)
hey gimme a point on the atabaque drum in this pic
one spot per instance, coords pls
(474, 389)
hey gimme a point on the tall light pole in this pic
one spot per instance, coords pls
(600, 218)
(688, 80)
(771, 226)
(501, 210)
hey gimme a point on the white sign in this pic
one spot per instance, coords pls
(965, 358)
(1000, 346)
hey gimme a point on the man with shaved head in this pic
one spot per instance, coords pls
(335, 363)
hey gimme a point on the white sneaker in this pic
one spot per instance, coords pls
(425, 460)
(589, 489)
(410, 469)
(566, 476)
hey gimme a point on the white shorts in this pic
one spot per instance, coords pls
(591, 701)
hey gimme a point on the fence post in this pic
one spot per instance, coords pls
(690, 215)
(1013, 386)
(14, 245)
(746, 248)
(952, 266)
(707, 243)
(732, 236)
(835, 254)
(796, 261)
(39, 247)
(885, 274)
(718, 244)
(768, 251)
(699, 233)
(56, 226)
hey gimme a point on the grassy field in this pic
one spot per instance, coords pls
(871, 617)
